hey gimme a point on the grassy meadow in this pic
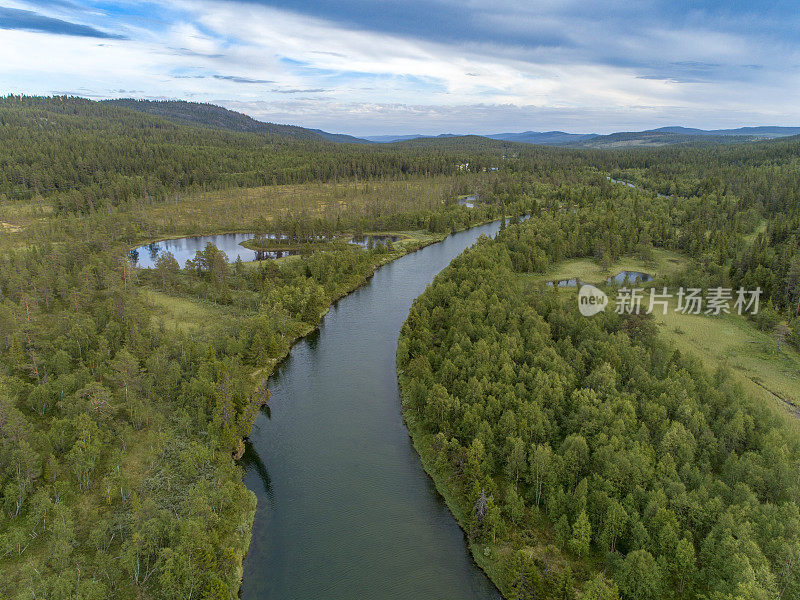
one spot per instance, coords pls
(663, 264)
(238, 209)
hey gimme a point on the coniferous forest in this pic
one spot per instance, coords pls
(584, 458)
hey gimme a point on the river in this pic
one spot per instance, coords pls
(345, 510)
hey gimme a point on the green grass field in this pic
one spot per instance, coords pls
(734, 342)
(186, 314)
(663, 264)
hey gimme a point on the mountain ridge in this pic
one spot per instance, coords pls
(217, 117)
(212, 116)
(662, 136)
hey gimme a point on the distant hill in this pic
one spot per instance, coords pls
(339, 138)
(217, 117)
(651, 139)
(550, 138)
(389, 139)
(663, 136)
(760, 132)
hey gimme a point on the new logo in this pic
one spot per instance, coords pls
(591, 300)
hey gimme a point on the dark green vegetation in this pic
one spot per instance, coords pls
(123, 394)
(87, 155)
(570, 446)
(216, 117)
(118, 414)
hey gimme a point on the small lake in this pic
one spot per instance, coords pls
(630, 277)
(185, 248)
(469, 201)
(612, 180)
(623, 277)
(565, 283)
(629, 184)
(382, 239)
(230, 243)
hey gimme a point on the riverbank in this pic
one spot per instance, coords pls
(487, 561)
(412, 241)
(193, 315)
(332, 460)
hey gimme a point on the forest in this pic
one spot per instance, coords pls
(588, 458)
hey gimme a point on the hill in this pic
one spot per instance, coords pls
(549, 138)
(652, 139)
(663, 136)
(766, 132)
(99, 153)
(216, 117)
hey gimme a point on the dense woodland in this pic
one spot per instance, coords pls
(87, 155)
(119, 426)
(574, 446)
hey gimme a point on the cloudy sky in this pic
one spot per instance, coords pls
(408, 66)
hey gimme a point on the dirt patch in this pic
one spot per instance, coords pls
(9, 227)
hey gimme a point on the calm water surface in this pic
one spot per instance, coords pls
(469, 201)
(185, 248)
(230, 243)
(345, 510)
(621, 278)
(625, 277)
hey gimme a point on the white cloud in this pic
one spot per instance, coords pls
(231, 52)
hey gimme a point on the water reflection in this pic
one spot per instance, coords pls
(621, 278)
(252, 461)
(574, 282)
(349, 512)
(630, 277)
(469, 201)
(184, 249)
(366, 241)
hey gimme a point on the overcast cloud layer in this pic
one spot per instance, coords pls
(403, 66)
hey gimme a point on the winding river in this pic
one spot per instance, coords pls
(345, 510)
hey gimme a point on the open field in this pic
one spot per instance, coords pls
(734, 342)
(24, 222)
(184, 313)
(663, 264)
(761, 228)
(238, 208)
(15, 217)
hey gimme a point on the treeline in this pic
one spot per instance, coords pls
(573, 444)
(86, 155)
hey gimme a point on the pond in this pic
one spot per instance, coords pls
(630, 277)
(185, 248)
(469, 201)
(230, 243)
(345, 509)
(574, 282)
(375, 239)
(623, 277)
(629, 184)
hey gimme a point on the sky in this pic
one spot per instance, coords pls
(369, 67)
